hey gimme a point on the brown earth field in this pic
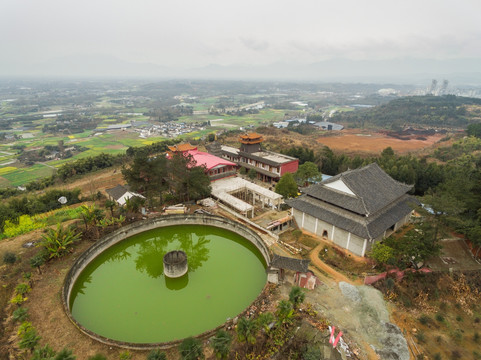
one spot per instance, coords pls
(360, 141)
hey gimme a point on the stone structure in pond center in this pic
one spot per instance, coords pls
(175, 264)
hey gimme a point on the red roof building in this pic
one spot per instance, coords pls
(216, 167)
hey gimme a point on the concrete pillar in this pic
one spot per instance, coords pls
(364, 247)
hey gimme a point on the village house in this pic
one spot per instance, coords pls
(354, 209)
(121, 194)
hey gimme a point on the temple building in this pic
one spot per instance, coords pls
(354, 209)
(215, 166)
(269, 166)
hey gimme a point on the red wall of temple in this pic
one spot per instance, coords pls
(290, 167)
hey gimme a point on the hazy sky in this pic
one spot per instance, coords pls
(197, 33)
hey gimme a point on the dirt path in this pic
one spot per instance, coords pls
(336, 276)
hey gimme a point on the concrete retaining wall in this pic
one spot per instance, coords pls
(139, 227)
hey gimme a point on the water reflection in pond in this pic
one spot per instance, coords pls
(123, 295)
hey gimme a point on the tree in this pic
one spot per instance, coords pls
(197, 184)
(382, 253)
(411, 249)
(474, 130)
(148, 176)
(156, 354)
(264, 321)
(91, 215)
(38, 260)
(247, 330)
(287, 186)
(191, 349)
(58, 241)
(307, 173)
(296, 296)
(221, 343)
(252, 174)
(284, 312)
(97, 357)
(110, 204)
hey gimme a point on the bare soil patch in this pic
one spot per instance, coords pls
(454, 255)
(99, 181)
(371, 142)
(116, 147)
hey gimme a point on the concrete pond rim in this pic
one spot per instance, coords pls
(136, 228)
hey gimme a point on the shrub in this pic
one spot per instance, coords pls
(424, 319)
(97, 357)
(22, 289)
(29, 339)
(65, 354)
(476, 337)
(9, 258)
(125, 355)
(421, 337)
(45, 353)
(191, 349)
(312, 353)
(156, 354)
(476, 355)
(459, 318)
(57, 241)
(439, 317)
(455, 354)
(17, 299)
(390, 283)
(437, 356)
(458, 336)
(20, 314)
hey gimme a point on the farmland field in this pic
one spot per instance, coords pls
(22, 176)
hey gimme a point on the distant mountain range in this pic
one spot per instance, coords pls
(409, 70)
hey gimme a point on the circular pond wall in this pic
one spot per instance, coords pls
(202, 237)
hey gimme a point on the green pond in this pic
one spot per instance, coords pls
(123, 295)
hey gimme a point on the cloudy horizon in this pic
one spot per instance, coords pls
(192, 34)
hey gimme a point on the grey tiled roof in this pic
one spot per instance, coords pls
(366, 227)
(283, 262)
(373, 189)
(117, 192)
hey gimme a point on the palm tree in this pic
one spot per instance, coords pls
(264, 320)
(296, 297)
(284, 312)
(221, 343)
(247, 330)
(191, 349)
